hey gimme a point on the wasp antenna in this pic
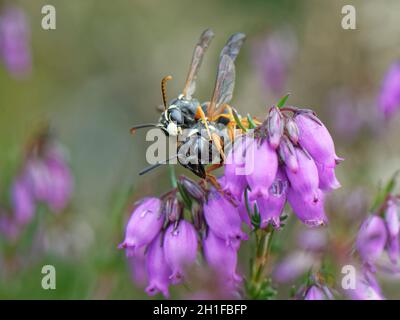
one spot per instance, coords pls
(164, 90)
(141, 126)
(146, 170)
(156, 165)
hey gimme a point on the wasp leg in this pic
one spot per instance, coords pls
(214, 182)
(219, 145)
(213, 167)
(200, 115)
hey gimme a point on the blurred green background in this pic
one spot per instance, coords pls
(99, 73)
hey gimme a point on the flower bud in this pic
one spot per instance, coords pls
(180, 249)
(22, 201)
(192, 188)
(271, 208)
(275, 126)
(292, 130)
(315, 138)
(305, 181)
(172, 209)
(223, 218)
(310, 211)
(371, 239)
(157, 268)
(288, 154)
(144, 224)
(221, 257)
(261, 167)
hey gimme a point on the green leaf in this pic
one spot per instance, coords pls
(246, 200)
(252, 125)
(384, 192)
(185, 197)
(237, 120)
(282, 102)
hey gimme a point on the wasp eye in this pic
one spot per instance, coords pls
(175, 115)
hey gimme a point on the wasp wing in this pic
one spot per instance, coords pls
(233, 45)
(225, 82)
(224, 85)
(197, 58)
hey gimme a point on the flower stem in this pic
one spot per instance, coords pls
(172, 176)
(258, 278)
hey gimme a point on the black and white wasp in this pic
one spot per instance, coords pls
(203, 126)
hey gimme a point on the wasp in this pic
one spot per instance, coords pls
(206, 125)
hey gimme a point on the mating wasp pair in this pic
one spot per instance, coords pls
(209, 124)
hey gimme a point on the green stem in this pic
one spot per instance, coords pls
(260, 263)
(172, 175)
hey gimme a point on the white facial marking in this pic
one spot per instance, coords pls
(172, 129)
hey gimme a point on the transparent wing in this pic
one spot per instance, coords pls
(224, 85)
(197, 58)
(225, 82)
(233, 45)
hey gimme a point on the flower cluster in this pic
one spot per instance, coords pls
(14, 41)
(44, 177)
(166, 234)
(389, 98)
(291, 156)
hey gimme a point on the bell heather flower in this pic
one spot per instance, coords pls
(14, 41)
(223, 218)
(315, 293)
(180, 249)
(315, 138)
(305, 181)
(261, 167)
(39, 178)
(158, 271)
(367, 288)
(60, 184)
(137, 263)
(271, 207)
(309, 210)
(235, 179)
(221, 257)
(22, 200)
(389, 98)
(393, 228)
(273, 57)
(371, 239)
(293, 266)
(144, 224)
(327, 178)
